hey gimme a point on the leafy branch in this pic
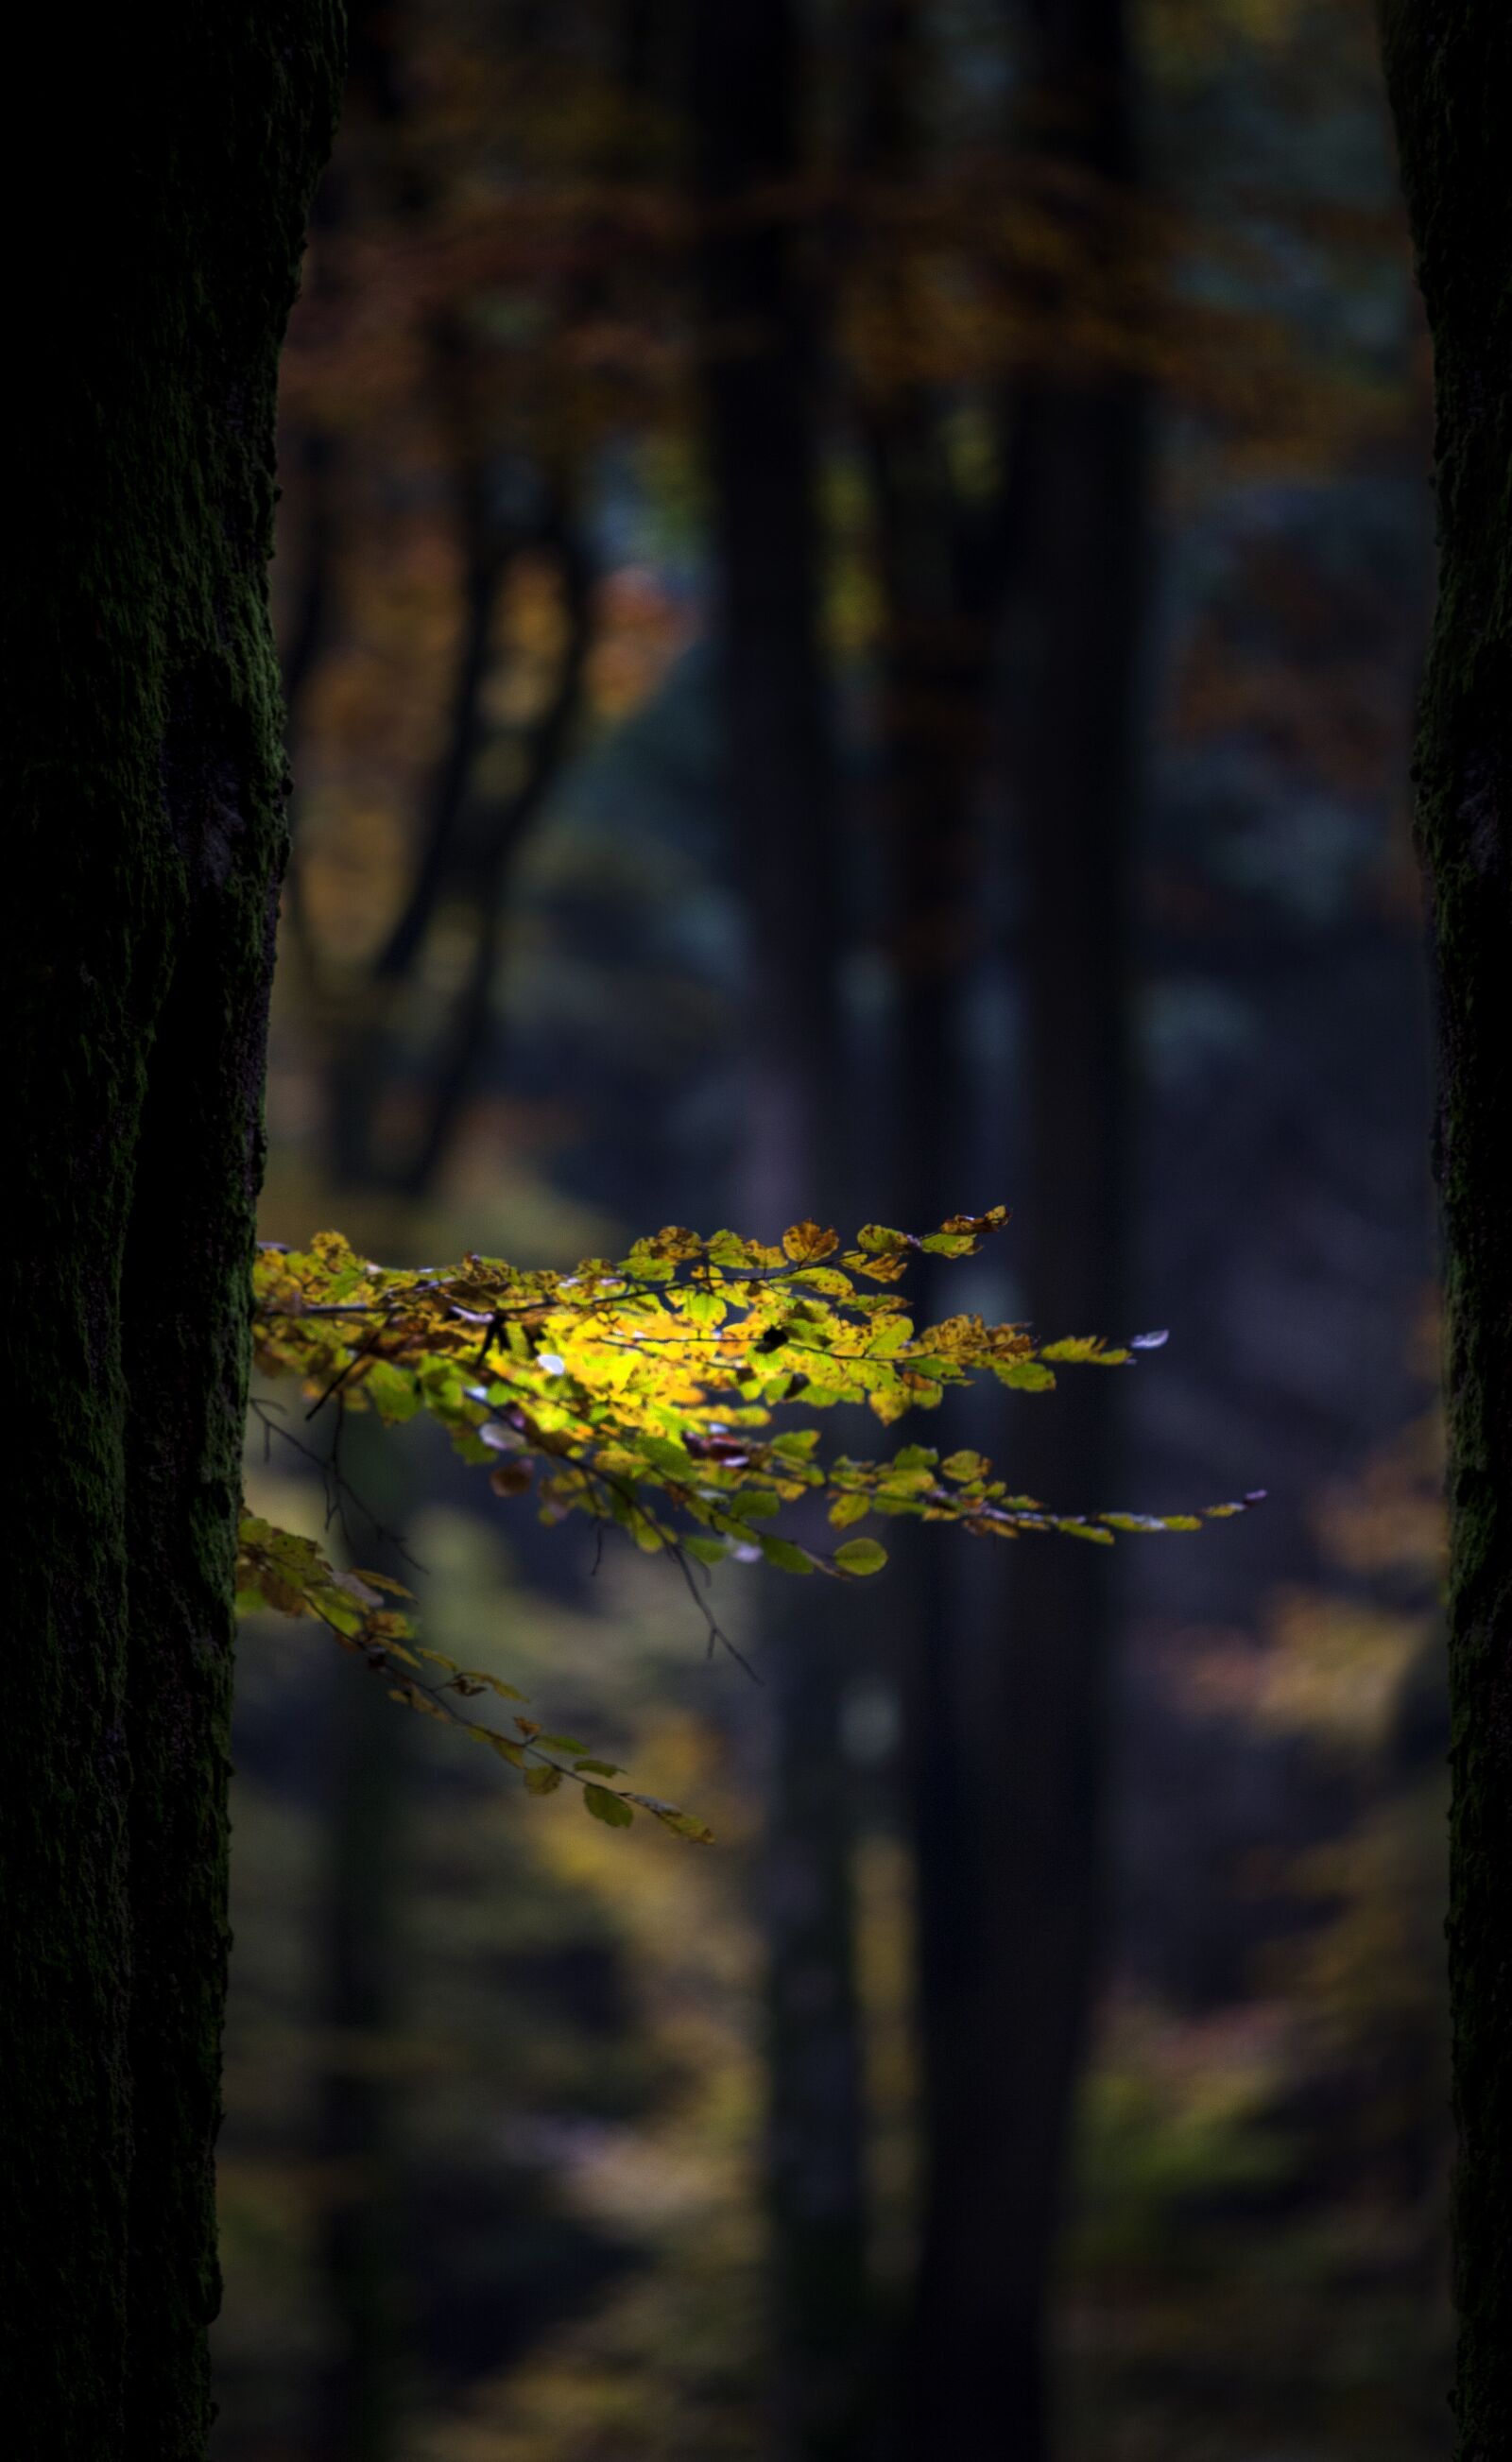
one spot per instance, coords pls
(277, 1569)
(642, 1393)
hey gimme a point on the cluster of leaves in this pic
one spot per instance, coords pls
(642, 1393)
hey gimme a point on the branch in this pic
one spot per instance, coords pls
(509, 821)
(489, 556)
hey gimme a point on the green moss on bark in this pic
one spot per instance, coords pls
(162, 174)
(1450, 76)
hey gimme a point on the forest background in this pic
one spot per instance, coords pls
(850, 583)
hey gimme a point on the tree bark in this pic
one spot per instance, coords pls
(760, 386)
(1449, 75)
(147, 781)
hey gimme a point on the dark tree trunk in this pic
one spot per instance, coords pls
(1008, 2063)
(761, 383)
(359, 2416)
(933, 678)
(941, 568)
(1449, 72)
(147, 784)
(1045, 1818)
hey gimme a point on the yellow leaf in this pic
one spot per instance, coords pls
(805, 1242)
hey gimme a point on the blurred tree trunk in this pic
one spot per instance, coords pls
(361, 2413)
(761, 382)
(1450, 80)
(466, 844)
(941, 568)
(1003, 2106)
(358, 2411)
(163, 197)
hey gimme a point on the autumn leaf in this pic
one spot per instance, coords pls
(805, 1244)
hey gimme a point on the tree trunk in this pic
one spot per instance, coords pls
(761, 383)
(360, 2411)
(1013, 2052)
(1449, 74)
(942, 567)
(467, 843)
(148, 781)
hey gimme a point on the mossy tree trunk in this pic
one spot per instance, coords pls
(161, 171)
(1449, 71)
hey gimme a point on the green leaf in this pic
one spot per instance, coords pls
(826, 1280)
(966, 1465)
(861, 1556)
(1087, 1350)
(606, 1806)
(755, 1504)
(543, 1778)
(1027, 1377)
(685, 1824)
(392, 1394)
(682, 1824)
(728, 1249)
(783, 1553)
(601, 1769)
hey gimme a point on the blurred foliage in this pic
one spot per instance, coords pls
(1262, 2191)
(1256, 2262)
(575, 2075)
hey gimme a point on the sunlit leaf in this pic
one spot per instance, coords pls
(805, 1244)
